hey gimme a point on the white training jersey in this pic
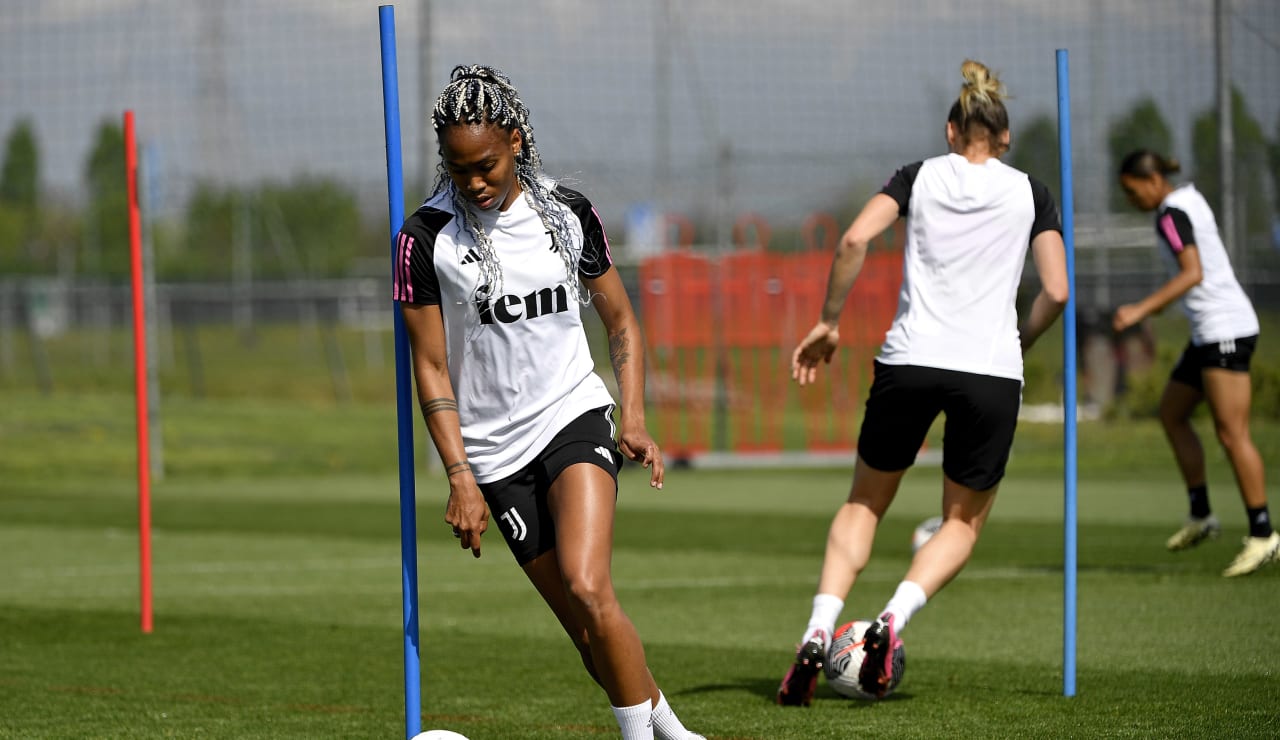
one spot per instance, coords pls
(969, 227)
(519, 362)
(1217, 308)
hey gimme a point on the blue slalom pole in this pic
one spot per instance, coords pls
(404, 406)
(1068, 386)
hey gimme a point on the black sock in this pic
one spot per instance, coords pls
(1199, 496)
(1259, 522)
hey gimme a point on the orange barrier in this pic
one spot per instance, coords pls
(723, 329)
(683, 228)
(676, 308)
(755, 310)
(756, 225)
(820, 232)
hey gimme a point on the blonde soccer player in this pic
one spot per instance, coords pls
(955, 348)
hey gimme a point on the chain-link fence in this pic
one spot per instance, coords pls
(263, 150)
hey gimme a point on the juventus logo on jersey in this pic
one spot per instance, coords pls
(518, 528)
(470, 257)
(605, 454)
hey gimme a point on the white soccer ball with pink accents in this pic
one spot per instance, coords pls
(925, 530)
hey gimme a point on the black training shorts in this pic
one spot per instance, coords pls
(1229, 354)
(981, 414)
(518, 503)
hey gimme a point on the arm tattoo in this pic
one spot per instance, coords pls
(457, 467)
(619, 352)
(438, 404)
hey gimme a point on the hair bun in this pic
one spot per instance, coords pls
(979, 82)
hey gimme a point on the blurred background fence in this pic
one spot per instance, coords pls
(713, 127)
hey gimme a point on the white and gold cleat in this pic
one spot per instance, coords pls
(1193, 533)
(1257, 552)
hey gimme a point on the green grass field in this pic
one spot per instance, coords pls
(277, 593)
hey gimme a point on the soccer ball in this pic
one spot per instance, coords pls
(844, 661)
(438, 735)
(928, 528)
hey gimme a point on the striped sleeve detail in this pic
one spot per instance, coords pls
(402, 284)
(413, 268)
(1175, 228)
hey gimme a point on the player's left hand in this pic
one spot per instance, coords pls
(637, 445)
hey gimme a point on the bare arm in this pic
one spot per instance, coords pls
(877, 215)
(1189, 276)
(466, 511)
(626, 354)
(1050, 257)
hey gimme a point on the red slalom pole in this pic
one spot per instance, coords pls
(139, 369)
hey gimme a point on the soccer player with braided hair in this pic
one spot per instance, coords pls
(955, 348)
(491, 272)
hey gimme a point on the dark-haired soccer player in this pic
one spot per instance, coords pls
(1215, 364)
(491, 272)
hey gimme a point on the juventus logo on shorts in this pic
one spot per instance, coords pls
(518, 529)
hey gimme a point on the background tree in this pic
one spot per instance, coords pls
(307, 228)
(20, 173)
(1035, 152)
(1142, 127)
(213, 223)
(1249, 164)
(19, 200)
(1274, 160)
(313, 226)
(106, 233)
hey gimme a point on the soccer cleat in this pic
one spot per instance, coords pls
(1193, 533)
(880, 643)
(1257, 552)
(797, 687)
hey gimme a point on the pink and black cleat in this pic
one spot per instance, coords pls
(801, 680)
(882, 667)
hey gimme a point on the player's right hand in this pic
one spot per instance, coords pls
(816, 348)
(466, 512)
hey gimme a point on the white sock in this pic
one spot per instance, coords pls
(906, 601)
(826, 609)
(636, 722)
(666, 725)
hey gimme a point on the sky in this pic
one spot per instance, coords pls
(778, 108)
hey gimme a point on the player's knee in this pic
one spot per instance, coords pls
(1232, 437)
(591, 594)
(1174, 418)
